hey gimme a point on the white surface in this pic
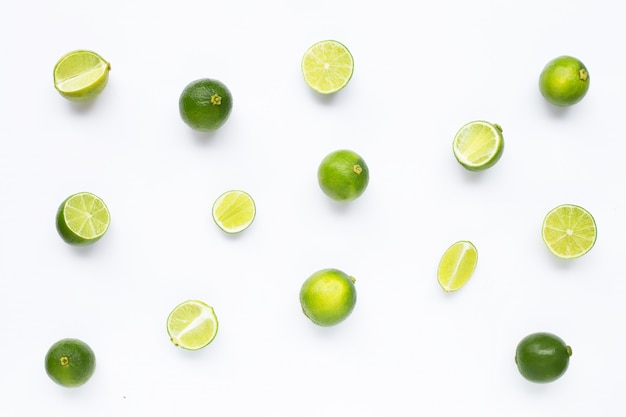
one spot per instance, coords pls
(408, 349)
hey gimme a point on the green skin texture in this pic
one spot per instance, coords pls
(542, 357)
(343, 175)
(70, 362)
(328, 297)
(564, 81)
(198, 107)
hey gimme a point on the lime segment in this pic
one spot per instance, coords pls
(327, 66)
(457, 265)
(192, 325)
(81, 75)
(234, 211)
(478, 145)
(569, 231)
(82, 219)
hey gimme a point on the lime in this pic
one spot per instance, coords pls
(81, 75)
(192, 325)
(457, 265)
(542, 357)
(343, 175)
(564, 81)
(327, 66)
(82, 219)
(234, 211)
(70, 362)
(205, 104)
(328, 297)
(478, 145)
(569, 231)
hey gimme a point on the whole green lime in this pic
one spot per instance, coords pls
(328, 297)
(343, 175)
(542, 357)
(205, 104)
(70, 362)
(564, 81)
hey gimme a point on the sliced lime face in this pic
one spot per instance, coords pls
(457, 265)
(82, 219)
(234, 211)
(192, 325)
(81, 75)
(569, 231)
(327, 66)
(478, 145)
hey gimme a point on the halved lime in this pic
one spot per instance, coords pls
(327, 66)
(234, 211)
(569, 231)
(192, 325)
(457, 265)
(478, 145)
(81, 75)
(82, 219)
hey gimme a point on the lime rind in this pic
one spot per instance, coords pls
(81, 75)
(327, 66)
(192, 325)
(234, 211)
(478, 145)
(82, 219)
(569, 231)
(457, 265)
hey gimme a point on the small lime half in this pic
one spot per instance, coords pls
(457, 265)
(569, 231)
(234, 211)
(82, 219)
(478, 145)
(81, 75)
(192, 325)
(327, 66)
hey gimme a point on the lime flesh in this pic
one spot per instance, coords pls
(478, 145)
(328, 297)
(327, 66)
(457, 265)
(234, 211)
(82, 219)
(569, 231)
(192, 325)
(81, 75)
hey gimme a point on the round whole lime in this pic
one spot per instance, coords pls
(542, 357)
(343, 175)
(328, 297)
(564, 81)
(205, 104)
(70, 362)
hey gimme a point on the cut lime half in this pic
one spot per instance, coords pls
(81, 75)
(569, 231)
(82, 219)
(478, 145)
(234, 211)
(327, 66)
(192, 325)
(457, 265)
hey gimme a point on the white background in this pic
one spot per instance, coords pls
(422, 70)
